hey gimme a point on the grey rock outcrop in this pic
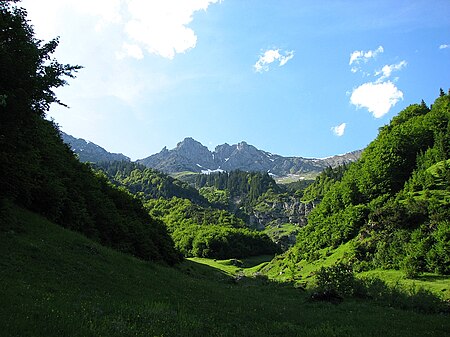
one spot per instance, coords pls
(272, 213)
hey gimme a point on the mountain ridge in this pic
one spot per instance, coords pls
(90, 152)
(190, 155)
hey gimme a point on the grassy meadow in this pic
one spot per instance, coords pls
(58, 283)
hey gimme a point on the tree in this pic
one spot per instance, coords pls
(29, 73)
(28, 78)
(39, 172)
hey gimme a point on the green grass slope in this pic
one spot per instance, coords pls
(54, 282)
(304, 273)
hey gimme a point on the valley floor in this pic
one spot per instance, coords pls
(54, 282)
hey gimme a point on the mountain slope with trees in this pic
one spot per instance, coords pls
(39, 172)
(392, 206)
(198, 227)
(147, 183)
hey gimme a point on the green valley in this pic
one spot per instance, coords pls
(112, 247)
(56, 282)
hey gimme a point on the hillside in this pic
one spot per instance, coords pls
(198, 226)
(213, 219)
(147, 183)
(39, 172)
(55, 282)
(392, 206)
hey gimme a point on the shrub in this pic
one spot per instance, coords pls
(337, 279)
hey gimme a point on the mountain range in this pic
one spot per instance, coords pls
(191, 156)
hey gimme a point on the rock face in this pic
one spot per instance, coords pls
(190, 155)
(90, 152)
(274, 213)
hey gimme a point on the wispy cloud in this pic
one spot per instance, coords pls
(378, 98)
(359, 56)
(130, 50)
(387, 70)
(271, 56)
(339, 130)
(444, 46)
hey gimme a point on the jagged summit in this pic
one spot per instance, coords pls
(191, 155)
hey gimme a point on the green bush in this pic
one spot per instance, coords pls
(337, 279)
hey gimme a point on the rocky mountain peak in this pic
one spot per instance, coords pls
(189, 142)
(242, 146)
(195, 150)
(190, 155)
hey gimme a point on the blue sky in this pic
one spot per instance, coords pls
(301, 78)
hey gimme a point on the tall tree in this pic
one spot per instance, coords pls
(29, 76)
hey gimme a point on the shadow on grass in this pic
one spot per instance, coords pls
(257, 260)
(338, 282)
(431, 278)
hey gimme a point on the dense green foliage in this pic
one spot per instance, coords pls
(208, 232)
(394, 202)
(147, 183)
(55, 282)
(245, 186)
(323, 183)
(199, 223)
(297, 187)
(39, 171)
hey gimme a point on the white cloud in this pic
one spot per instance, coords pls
(159, 27)
(130, 50)
(339, 129)
(387, 70)
(359, 56)
(270, 56)
(444, 46)
(378, 98)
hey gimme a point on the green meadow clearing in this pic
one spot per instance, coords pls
(55, 282)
